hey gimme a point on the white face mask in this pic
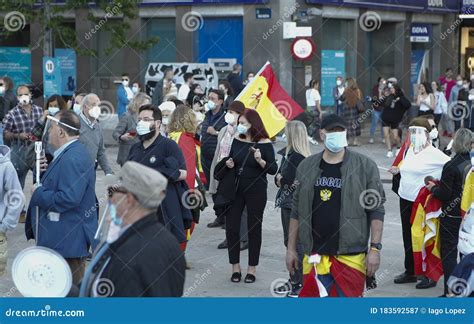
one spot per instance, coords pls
(143, 127)
(199, 116)
(339, 83)
(125, 83)
(24, 100)
(229, 118)
(165, 120)
(434, 134)
(94, 112)
(76, 108)
(53, 110)
(135, 90)
(459, 83)
(2, 90)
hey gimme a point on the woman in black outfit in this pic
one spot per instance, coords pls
(252, 157)
(449, 192)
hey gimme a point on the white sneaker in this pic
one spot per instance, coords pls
(312, 141)
(390, 154)
(371, 141)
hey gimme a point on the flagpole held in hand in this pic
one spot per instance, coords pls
(38, 151)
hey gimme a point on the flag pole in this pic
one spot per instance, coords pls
(250, 83)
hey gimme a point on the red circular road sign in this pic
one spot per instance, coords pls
(303, 48)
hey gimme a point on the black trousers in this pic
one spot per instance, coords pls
(405, 214)
(206, 162)
(449, 235)
(252, 194)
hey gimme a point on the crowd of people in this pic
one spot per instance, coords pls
(181, 146)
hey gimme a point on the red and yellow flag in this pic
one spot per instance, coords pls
(425, 235)
(468, 193)
(270, 100)
(401, 154)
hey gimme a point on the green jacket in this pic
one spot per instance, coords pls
(362, 199)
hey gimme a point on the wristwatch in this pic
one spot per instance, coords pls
(376, 246)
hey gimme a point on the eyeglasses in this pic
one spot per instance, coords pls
(58, 122)
(146, 119)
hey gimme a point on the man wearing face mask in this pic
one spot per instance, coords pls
(158, 267)
(66, 197)
(76, 102)
(92, 135)
(164, 155)
(18, 125)
(337, 207)
(124, 95)
(337, 92)
(214, 121)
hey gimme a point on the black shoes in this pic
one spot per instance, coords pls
(222, 245)
(250, 278)
(295, 290)
(405, 278)
(236, 277)
(426, 283)
(215, 224)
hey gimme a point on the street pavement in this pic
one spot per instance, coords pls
(210, 271)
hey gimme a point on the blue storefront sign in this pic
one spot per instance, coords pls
(420, 33)
(15, 62)
(51, 76)
(467, 7)
(333, 64)
(402, 5)
(263, 13)
(67, 64)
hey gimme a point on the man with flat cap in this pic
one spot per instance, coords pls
(140, 257)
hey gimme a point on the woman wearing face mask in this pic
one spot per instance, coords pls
(136, 88)
(441, 102)
(126, 131)
(252, 158)
(449, 192)
(426, 99)
(225, 86)
(353, 106)
(53, 105)
(337, 93)
(296, 151)
(167, 109)
(76, 102)
(395, 105)
(224, 143)
(421, 160)
(182, 130)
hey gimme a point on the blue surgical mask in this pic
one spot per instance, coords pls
(210, 105)
(77, 108)
(53, 110)
(336, 141)
(241, 129)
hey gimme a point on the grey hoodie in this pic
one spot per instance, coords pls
(11, 193)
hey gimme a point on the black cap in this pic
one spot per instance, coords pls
(332, 121)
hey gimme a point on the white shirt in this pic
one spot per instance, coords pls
(183, 92)
(441, 103)
(425, 104)
(312, 96)
(415, 167)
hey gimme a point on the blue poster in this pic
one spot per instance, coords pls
(15, 62)
(333, 64)
(67, 63)
(51, 76)
(415, 68)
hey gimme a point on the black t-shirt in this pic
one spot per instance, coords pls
(327, 209)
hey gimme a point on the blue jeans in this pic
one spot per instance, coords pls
(376, 119)
(328, 280)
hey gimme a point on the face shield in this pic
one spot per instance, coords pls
(418, 138)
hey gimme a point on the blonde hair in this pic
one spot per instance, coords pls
(139, 100)
(183, 119)
(296, 135)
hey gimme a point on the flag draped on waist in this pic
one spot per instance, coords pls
(425, 235)
(348, 272)
(468, 193)
(270, 100)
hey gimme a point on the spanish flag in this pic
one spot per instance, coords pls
(348, 272)
(468, 193)
(270, 100)
(425, 235)
(403, 150)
